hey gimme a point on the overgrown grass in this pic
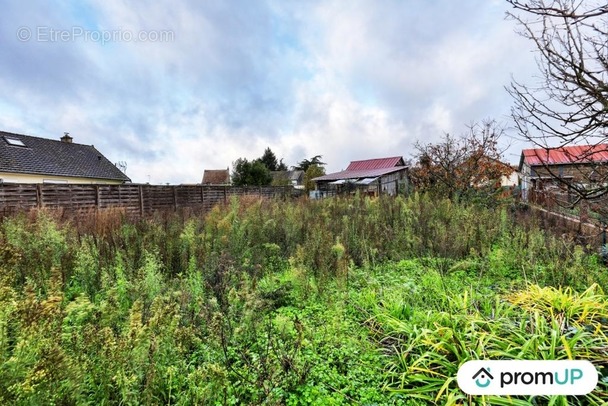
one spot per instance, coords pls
(343, 301)
(426, 344)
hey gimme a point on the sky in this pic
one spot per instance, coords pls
(174, 87)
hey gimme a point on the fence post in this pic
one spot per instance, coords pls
(39, 195)
(71, 189)
(97, 199)
(175, 198)
(225, 199)
(141, 200)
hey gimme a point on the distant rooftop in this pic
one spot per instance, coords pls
(367, 168)
(377, 163)
(575, 154)
(293, 175)
(216, 177)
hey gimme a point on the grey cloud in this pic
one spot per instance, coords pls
(303, 78)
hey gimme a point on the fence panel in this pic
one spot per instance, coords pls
(15, 197)
(133, 198)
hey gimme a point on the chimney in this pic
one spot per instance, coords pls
(66, 138)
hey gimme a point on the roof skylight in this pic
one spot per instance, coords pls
(14, 141)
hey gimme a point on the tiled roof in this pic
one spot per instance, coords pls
(575, 154)
(216, 177)
(44, 156)
(379, 163)
(369, 168)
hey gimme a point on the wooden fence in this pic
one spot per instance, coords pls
(586, 233)
(133, 198)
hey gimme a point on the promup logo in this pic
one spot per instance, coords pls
(527, 377)
(483, 378)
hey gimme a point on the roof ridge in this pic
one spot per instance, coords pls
(2, 133)
(375, 159)
(567, 147)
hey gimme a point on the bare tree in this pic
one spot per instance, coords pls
(469, 166)
(568, 104)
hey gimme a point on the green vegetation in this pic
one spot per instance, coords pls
(254, 173)
(342, 301)
(258, 171)
(313, 171)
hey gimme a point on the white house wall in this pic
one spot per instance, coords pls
(34, 178)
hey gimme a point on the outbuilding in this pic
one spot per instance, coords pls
(373, 177)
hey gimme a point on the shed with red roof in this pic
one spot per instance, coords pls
(370, 176)
(543, 168)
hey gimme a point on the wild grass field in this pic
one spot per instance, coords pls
(335, 302)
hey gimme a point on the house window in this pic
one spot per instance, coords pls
(15, 142)
(561, 170)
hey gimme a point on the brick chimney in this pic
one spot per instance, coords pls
(66, 138)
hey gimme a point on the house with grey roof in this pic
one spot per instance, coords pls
(372, 177)
(28, 159)
(293, 178)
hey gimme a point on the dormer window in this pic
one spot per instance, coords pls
(14, 141)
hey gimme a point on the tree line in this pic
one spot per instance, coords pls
(258, 172)
(463, 167)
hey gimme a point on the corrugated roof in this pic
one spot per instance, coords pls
(216, 177)
(369, 173)
(368, 168)
(44, 156)
(366, 181)
(575, 154)
(378, 163)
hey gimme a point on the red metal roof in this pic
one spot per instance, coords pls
(574, 154)
(368, 168)
(380, 163)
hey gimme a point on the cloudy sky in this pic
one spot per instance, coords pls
(174, 87)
